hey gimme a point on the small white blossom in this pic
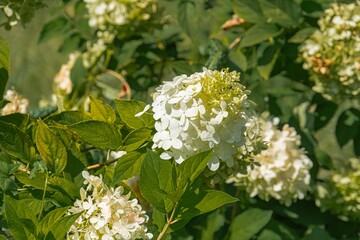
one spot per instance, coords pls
(62, 81)
(332, 53)
(107, 213)
(202, 111)
(16, 103)
(283, 173)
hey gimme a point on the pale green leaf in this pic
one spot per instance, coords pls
(267, 55)
(101, 111)
(49, 221)
(128, 166)
(249, 10)
(136, 138)
(302, 35)
(259, 33)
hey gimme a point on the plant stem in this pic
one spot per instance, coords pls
(43, 196)
(167, 225)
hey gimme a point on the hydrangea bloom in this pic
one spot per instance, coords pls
(341, 192)
(205, 110)
(107, 213)
(283, 173)
(332, 53)
(16, 103)
(62, 80)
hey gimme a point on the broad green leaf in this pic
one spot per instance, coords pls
(16, 143)
(317, 233)
(71, 43)
(37, 182)
(268, 234)
(357, 144)
(157, 180)
(78, 76)
(249, 223)
(101, 111)
(48, 222)
(214, 222)
(4, 65)
(66, 187)
(187, 15)
(99, 134)
(51, 148)
(2, 237)
(191, 168)
(127, 51)
(302, 35)
(136, 138)
(24, 208)
(239, 59)
(127, 111)
(61, 227)
(197, 202)
(128, 166)
(6, 170)
(18, 119)
(347, 126)
(325, 110)
(249, 10)
(54, 28)
(259, 33)
(267, 55)
(69, 117)
(285, 13)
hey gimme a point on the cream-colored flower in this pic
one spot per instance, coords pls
(16, 103)
(332, 53)
(62, 80)
(107, 213)
(283, 173)
(340, 192)
(206, 110)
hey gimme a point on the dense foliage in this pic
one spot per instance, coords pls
(186, 119)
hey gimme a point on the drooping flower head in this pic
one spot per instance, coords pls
(16, 103)
(205, 110)
(340, 193)
(283, 173)
(107, 213)
(332, 53)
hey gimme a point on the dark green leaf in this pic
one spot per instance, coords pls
(259, 33)
(157, 180)
(357, 144)
(37, 182)
(239, 59)
(187, 11)
(347, 126)
(66, 187)
(69, 117)
(18, 119)
(49, 221)
(317, 233)
(61, 227)
(214, 222)
(127, 111)
(127, 51)
(101, 111)
(248, 223)
(249, 10)
(267, 55)
(98, 133)
(325, 110)
(136, 138)
(302, 35)
(285, 13)
(268, 234)
(16, 143)
(128, 166)
(71, 43)
(51, 148)
(4, 65)
(6, 170)
(54, 28)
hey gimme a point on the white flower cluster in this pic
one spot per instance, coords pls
(62, 81)
(12, 16)
(332, 53)
(205, 110)
(105, 17)
(16, 103)
(107, 213)
(341, 192)
(283, 173)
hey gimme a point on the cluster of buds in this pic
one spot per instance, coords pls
(62, 81)
(12, 16)
(283, 173)
(16, 103)
(332, 53)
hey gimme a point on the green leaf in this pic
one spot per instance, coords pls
(71, 43)
(16, 143)
(197, 202)
(318, 233)
(101, 111)
(66, 187)
(248, 223)
(285, 13)
(51, 148)
(18, 119)
(302, 35)
(249, 10)
(128, 166)
(157, 180)
(136, 138)
(98, 134)
(4, 65)
(49, 221)
(214, 222)
(347, 126)
(239, 59)
(191, 168)
(325, 110)
(357, 144)
(268, 234)
(259, 33)
(54, 28)
(267, 55)
(37, 182)
(127, 51)
(69, 117)
(6, 170)
(187, 11)
(127, 111)
(61, 227)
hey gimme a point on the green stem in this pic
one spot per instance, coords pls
(43, 196)
(167, 225)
